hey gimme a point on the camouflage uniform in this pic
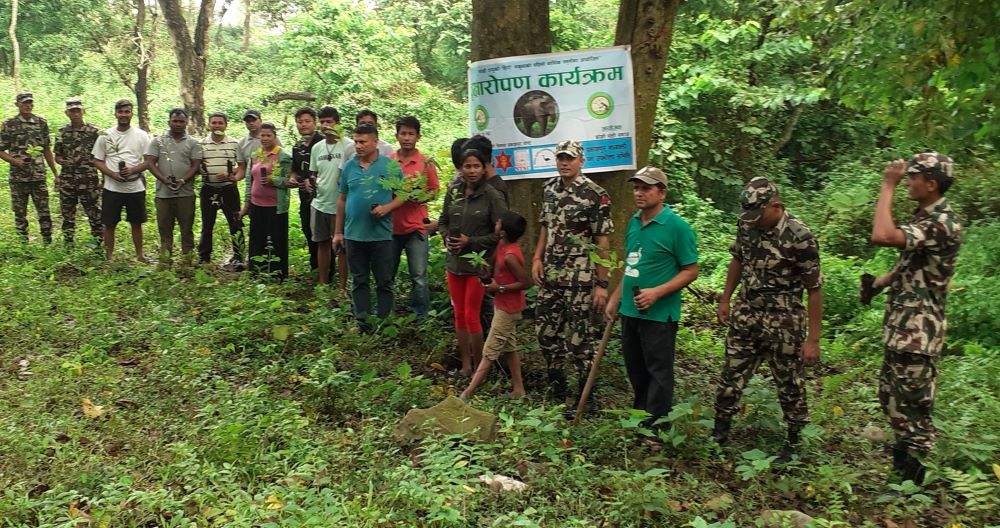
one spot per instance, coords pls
(768, 320)
(564, 317)
(78, 182)
(16, 136)
(914, 324)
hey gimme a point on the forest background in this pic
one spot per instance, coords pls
(135, 397)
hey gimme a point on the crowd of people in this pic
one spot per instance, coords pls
(363, 203)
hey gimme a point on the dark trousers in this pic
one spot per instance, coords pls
(268, 241)
(178, 210)
(486, 313)
(365, 259)
(227, 200)
(305, 217)
(648, 349)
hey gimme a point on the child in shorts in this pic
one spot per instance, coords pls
(510, 280)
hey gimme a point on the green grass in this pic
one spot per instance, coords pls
(229, 402)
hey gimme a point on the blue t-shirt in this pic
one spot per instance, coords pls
(365, 188)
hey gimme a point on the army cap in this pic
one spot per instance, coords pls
(757, 194)
(121, 103)
(251, 113)
(74, 102)
(932, 164)
(24, 96)
(650, 175)
(570, 148)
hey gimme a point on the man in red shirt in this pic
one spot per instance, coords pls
(409, 231)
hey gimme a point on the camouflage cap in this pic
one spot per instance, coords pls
(650, 175)
(932, 164)
(24, 96)
(757, 194)
(74, 102)
(570, 147)
(122, 103)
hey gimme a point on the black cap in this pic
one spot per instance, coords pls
(251, 113)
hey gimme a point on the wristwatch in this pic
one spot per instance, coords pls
(501, 289)
(601, 283)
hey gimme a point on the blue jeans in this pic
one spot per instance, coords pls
(417, 254)
(363, 260)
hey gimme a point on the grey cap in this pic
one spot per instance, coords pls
(251, 113)
(650, 175)
(74, 102)
(24, 96)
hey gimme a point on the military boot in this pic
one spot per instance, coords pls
(913, 469)
(899, 457)
(790, 448)
(558, 386)
(720, 431)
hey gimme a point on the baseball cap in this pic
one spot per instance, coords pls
(932, 164)
(74, 102)
(251, 113)
(570, 148)
(122, 103)
(24, 96)
(755, 196)
(650, 175)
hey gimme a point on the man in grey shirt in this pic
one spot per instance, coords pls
(174, 158)
(251, 142)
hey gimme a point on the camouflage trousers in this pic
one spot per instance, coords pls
(564, 320)
(85, 191)
(746, 349)
(906, 390)
(38, 191)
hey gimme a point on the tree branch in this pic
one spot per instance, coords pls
(789, 129)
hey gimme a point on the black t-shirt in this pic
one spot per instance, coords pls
(300, 160)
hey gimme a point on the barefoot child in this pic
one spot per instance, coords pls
(510, 280)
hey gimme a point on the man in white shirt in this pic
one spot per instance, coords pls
(118, 154)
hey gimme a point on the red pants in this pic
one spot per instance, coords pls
(466, 296)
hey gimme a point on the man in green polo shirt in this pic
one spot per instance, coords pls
(661, 258)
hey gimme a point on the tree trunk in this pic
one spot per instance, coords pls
(246, 25)
(145, 61)
(192, 56)
(520, 28)
(15, 47)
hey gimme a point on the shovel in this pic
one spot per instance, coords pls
(594, 367)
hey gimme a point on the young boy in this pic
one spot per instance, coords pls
(510, 280)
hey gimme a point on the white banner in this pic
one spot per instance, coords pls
(528, 104)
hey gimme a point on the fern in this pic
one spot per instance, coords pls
(980, 494)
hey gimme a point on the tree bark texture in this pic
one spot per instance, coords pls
(143, 66)
(15, 71)
(191, 51)
(521, 27)
(246, 24)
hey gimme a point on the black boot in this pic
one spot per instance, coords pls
(899, 457)
(790, 448)
(720, 431)
(913, 469)
(589, 406)
(558, 386)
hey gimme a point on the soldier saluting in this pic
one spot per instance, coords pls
(775, 257)
(914, 324)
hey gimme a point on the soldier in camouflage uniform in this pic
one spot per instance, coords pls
(24, 140)
(78, 182)
(576, 214)
(775, 258)
(914, 325)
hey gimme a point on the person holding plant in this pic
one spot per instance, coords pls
(468, 219)
(24, 143)
(325, 164)
(266, 203)
(223, 166)
(510, 280)
(409, 233)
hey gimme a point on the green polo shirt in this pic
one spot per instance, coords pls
(654, 254)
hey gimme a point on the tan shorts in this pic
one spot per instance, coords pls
(503, 335)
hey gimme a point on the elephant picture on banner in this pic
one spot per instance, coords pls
(536, 114)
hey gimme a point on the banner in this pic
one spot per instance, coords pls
(528, 104)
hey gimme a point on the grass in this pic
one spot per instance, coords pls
(224, 401)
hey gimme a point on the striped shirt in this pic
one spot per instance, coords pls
(216, 155)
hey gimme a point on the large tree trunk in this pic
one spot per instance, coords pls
(145, 54)
(520, 28)
(15, 71)
(246, 24)
(192, 56)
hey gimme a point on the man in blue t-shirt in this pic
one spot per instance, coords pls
(364, 223)
(661, 258)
